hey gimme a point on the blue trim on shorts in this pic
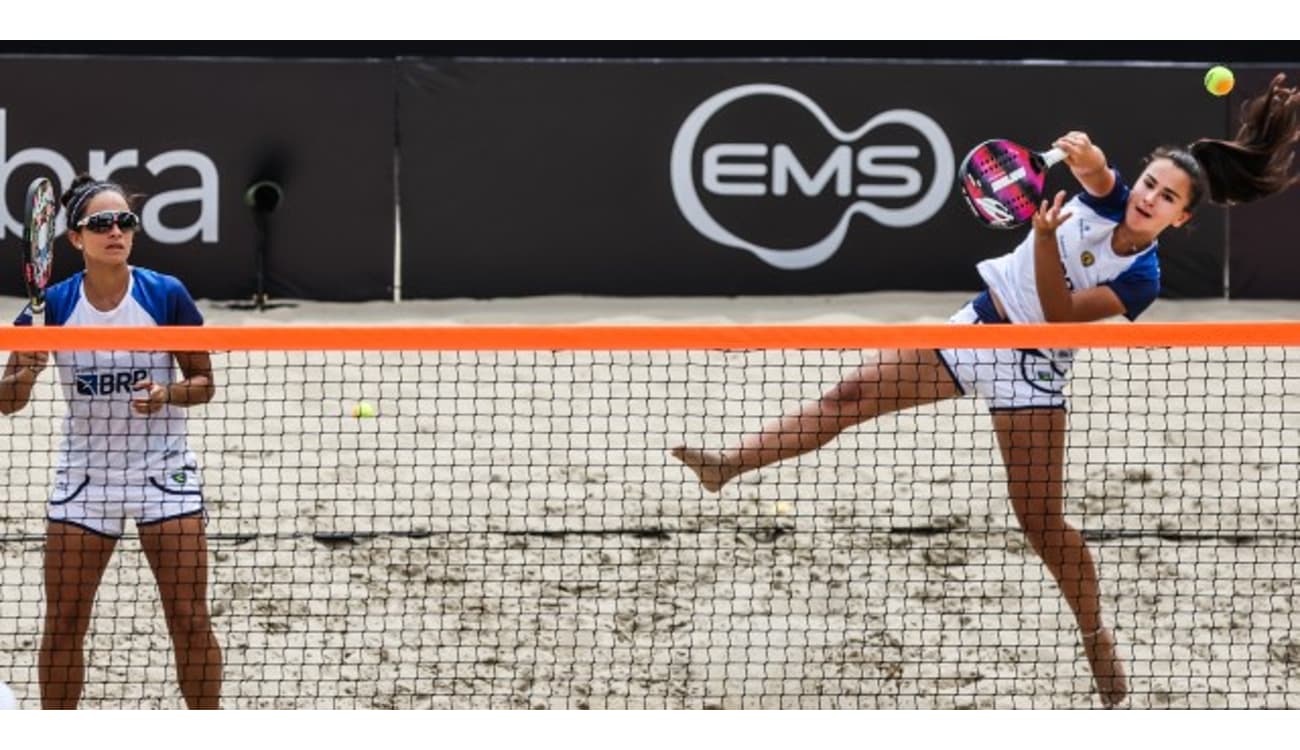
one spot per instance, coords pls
(943, 361)
(80, 488)
(996, 409)
(83, 527)
(154, 482)
(1032, 382)
(187, 514)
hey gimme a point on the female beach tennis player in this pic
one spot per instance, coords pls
(1087, 259)
(124, 452)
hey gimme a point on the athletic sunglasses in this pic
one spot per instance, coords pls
(103, 221)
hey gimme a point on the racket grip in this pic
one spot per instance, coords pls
(1053, 156)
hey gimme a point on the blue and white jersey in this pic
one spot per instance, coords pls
(1087, 261)
(105, 441)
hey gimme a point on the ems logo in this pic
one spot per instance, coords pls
(1088, 258)
(757, 151)
(1045, 376)
(179, 477)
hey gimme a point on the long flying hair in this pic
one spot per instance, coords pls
(1256, 162)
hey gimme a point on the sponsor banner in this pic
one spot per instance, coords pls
(191, 135)
(723, 178)
(1264, 237)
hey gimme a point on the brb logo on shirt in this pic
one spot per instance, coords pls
(762, 167)
(96, 383)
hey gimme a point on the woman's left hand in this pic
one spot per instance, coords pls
(153, 399)
(1049, 217)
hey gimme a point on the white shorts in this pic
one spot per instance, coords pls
(1008, 379)
(104, 508)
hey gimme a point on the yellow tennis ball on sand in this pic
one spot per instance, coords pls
(364, 409)
(1219, 80)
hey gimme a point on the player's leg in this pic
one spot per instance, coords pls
(177, 550)
(75, 560)
(899, 380)
(1033, 448)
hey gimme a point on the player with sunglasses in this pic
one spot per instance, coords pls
(1085, 260)
(104, 221)
(124, 453)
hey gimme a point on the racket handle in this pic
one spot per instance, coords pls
(1053, 156)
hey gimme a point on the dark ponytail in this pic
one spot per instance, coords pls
(1256, 163)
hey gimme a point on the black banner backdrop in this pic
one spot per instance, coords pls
(192, 135)
(558, 177)
(1264, 261)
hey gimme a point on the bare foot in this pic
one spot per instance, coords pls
(709, 466)
(1107, 670)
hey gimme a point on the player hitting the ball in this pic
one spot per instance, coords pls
(1024, 390)
(124, 453)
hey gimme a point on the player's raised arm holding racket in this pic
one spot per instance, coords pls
(1085, 259)
(1086, 162)
(40, 209)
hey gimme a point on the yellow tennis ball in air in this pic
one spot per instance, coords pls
(364, 409)
(1219, 80)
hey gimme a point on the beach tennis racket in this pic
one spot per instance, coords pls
(1002, 181)
(41, 207)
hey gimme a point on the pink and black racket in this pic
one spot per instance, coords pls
(41, 209)
(1002, 181)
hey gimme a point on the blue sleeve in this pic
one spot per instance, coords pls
(1112, 205)
(1138, 286)
(165, 298)
(182, 311)
(25, 317)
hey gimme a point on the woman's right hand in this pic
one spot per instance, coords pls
(21, 371)
(34, 361)
(1081, 154)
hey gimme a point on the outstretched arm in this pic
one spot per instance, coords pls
(1087, 162)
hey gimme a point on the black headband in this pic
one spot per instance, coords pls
(83, 196)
